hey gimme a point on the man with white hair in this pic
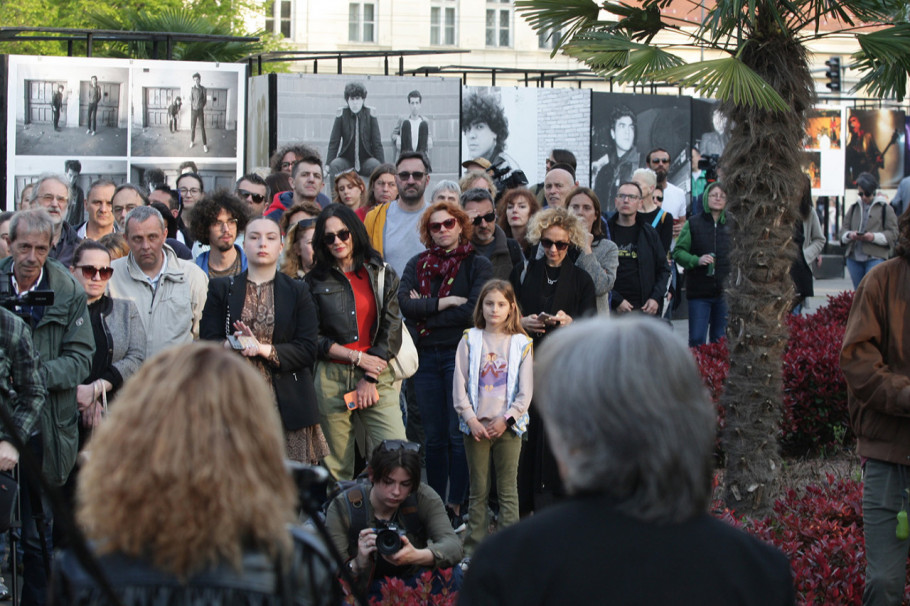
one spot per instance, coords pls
(52, 193)
(636, 455)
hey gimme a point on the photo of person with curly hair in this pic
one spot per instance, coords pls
(485, 128)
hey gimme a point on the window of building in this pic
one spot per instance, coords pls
(442, 22)
(362, 22)
(548, 39)
(278, 17)
(499, 22)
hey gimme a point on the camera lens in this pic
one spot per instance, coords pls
(388, 542)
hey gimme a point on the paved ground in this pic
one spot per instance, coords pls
(823, 288)
(42, 140)
(161, 142)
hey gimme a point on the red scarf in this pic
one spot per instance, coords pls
(435, 262)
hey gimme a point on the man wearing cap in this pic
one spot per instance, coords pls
(476, 164)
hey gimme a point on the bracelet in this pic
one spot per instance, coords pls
(370, 379)
(351, 355)
(359, 358)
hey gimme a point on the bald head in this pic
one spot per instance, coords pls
(557, 185)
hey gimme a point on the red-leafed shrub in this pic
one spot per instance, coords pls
(821, 530)
(815, 414)
(815, 394)
(396, 592)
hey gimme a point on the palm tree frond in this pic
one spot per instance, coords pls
(639, 22)
(615, 55)
(884, 61)
(570, 17)
(727, 79)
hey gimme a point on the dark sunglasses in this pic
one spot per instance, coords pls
(547, 243)
(489, 218)
(343, 235)
(865, 194)
(405, 175)
(396, 445)
(660, 160)
(448, 224)
(658, 198)
(257, 198)
(89, 271)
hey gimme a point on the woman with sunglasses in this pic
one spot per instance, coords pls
(269, 318)
(438, 293)
(870, 229)
(119, 335)
(359, 332)
(393, 495)
(350, 190)
(552, 292)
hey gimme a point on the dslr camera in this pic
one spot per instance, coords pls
(388, 538)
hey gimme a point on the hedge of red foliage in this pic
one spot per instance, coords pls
(815, 414)
(396, 592)
(821, 531)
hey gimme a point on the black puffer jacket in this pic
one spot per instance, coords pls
(334, 298)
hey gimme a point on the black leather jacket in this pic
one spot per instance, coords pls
(308, 580)
(335, 307)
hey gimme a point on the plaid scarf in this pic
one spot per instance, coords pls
(435, 262)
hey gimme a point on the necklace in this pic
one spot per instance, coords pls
(550, 282)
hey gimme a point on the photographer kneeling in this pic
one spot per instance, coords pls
(395, 526)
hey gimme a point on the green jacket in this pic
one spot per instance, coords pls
(20, 374)
(65, 344)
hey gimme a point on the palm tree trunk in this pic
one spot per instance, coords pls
(761, 172)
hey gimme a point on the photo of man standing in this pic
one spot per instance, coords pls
(197, 111)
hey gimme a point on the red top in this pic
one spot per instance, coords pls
(365, 303)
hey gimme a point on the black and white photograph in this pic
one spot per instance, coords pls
(500, 124)
(215, 175)
(875, 145)
(66, 105)
(564, 122)
(625, 127)
(359, 122)
(81, 172)
(188, 111)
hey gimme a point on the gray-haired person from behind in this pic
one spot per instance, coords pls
(635, 452)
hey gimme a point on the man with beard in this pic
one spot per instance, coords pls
(52, 193)
(658, 160)
(216, 220)
(392, 227)
(488, 238)
(618, 164)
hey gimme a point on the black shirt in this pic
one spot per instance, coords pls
(628, 280)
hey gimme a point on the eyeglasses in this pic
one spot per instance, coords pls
(257, 198)
(660, 160)
(195, 191)
(657, 198)
(449, 224)
(89, 271)
(222, 225)
(396, 445)
(406, 176)
(547, 243)
(865, 194)
(625, 197)
(489, 218)
(48, 198)
(343, 235)
(286, 165)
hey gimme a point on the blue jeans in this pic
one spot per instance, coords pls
(858, 269)
(886, 555)
(446, 462)
(703, 312)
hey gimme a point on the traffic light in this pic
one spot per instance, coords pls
(833, 74)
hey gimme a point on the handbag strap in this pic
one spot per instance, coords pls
(380, 280)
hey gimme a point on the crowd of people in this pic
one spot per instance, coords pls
(391, 328)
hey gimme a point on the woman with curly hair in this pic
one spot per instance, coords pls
(349, 190)
(514, 211)
(485, 129)
(201, 516)
(552, 292)
(298, 259)
(438, 293)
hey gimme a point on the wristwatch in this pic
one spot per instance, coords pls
(510, 421)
